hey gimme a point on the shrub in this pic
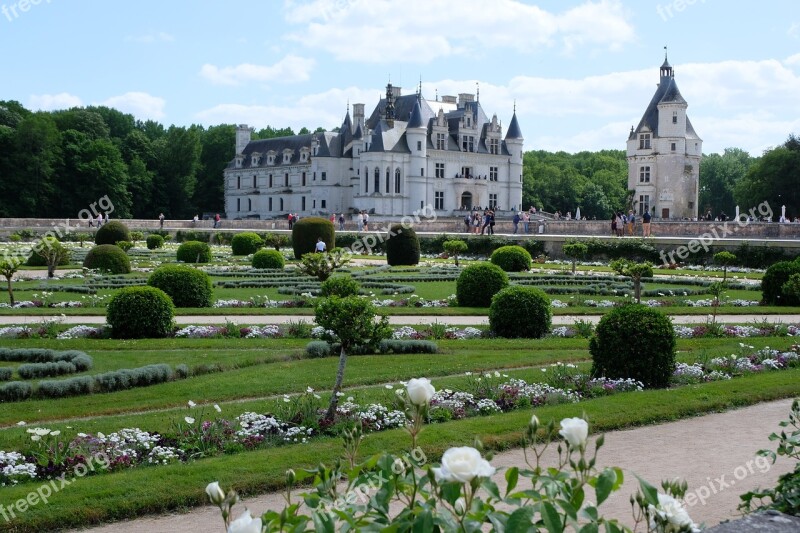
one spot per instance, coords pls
(454, 248)
(136, 236)
(194, 252)
(634, 341)
(15, 391)
(268, 259)
(402, 245)
(520, 312)
(125, 245)
(773, 281)
(316, 349)
(340, 286)
(5, 373)
(154, 241)
(187, 286)
(45, 370)
(477, 284)
(108, 258)
(140, 312)
(39, 253)
(112, 233)
(407, 346)
(62, 388)
(512, 258)
(306, 231)
(127, 378)
(246, 243)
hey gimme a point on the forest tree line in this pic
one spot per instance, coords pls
(53, 164)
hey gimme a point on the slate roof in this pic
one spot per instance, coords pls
(415, 121)
(514, 131)
(667, 92)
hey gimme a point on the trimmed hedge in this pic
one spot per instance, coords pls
(306, 231)
(634, 341)
(154, 241)
(268, 259)
(512, 258)
(477, 284)
(140, 312)
(340, 286)
(316, 349)
(774, 279)
(520, 312)
(16, 391)
(112, 233)
(108, 258)
(246, 243)
(187, 286)
(5, 373)
(194, 252)
(402, 246)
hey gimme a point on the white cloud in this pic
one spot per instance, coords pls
(377, 31)
(291, 68)
(152, 37)
(141, 105)
(49, 102)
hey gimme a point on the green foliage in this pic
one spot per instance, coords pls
(774, 280)
(512, 258)
(635, 271)
(478, 283)
(276, 240)
(306, 231)
(317, 349)
(268, 259)
(136, 236)
(520, 312)
(125, 245)
(192, 235)
(48, 247)
(16, 391)
(187, 286)
(407, 346)
(7, 270)
(194, 252)
(108, 258)
(725, 259)
(772, 180)
(154, 241)
(634, 341)
(6, 373)
(112, 233)
(246, 243)
(719, 176)
(321, 266)
(41, 370)
(140, 312)
(454, 248)
(402, 246)
(792, 287)
(340, 286)
(575, 251)
(632, 249)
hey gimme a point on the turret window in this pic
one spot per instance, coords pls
(397, 181)
(674, 117)
(644, 141)
(419, 146)
(644, 174)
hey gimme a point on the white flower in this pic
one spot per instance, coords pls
(460, 506)
(35, 438)
(575, 431)
(21, 423)
(672, 511)
(55, 433)
(189, 420)
(388, 386)
(420, 391)
(534, 421)
(309, 390)
(191, 403)
(217, 408)
(463, 464)
(215, 493)
(245, 524)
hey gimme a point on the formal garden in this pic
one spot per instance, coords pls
(102, 422)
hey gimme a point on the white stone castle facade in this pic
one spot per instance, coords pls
(664, 155)
(410, 153)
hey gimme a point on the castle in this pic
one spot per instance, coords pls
(409, 154)
(664, 155)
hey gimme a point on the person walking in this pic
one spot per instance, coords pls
(341, 221)
(516, 221)
(613, 224)
(526, 222)
(646, 222)
(360, 221)
(366, 221)
(631, 222)
(217, 220)
(161, 221)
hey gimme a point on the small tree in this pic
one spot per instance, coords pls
(136, 236)
(575, 251)
(82, 238)
(53, 253)
(349, 321)
(276, 240)
(7, 270)
(635, 271)
(322, 265)
(725, 259)
(454, 248)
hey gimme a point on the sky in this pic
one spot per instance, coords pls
(580, 72)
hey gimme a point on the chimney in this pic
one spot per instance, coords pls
(243, 132)
(463, 98)
(358, 115)
(448, 99)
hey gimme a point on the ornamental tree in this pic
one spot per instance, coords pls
(322, 265)
(725, 259)
(635, 271)
(454, 248)
(7, 270)
(53, 253)
(350, 322)
(575, 251)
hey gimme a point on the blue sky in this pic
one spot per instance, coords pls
(581, 72)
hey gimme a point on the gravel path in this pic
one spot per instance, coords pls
(715, 453)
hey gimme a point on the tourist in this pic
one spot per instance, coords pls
(646, 222)
(217, 220)
(620, 224)
(631, 222)
(515, 221)
(467, 222)
(341, 221)
(613, 224)
(320, 246)
(99, 219)
(333, 218)
(476, 223)
(161, 220)
(526, 222)
(366, 221)
(290, 220)
(360, 221)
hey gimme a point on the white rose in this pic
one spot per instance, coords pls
(245, 524)
(535, 421)
(462, 465)
(420, 391)
(575, 431)
(672, 511)
(215, 493)
(460, 506)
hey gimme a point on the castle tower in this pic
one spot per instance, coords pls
(514, 142)
(243, 133)
(664, 155)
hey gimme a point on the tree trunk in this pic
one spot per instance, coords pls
(637, 289)
(10, 292)
(456, 258)
(51, 268)
(573, 266)
(337, 386)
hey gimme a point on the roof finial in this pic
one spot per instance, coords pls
(477, 91)
(437, 95)
(665, 52)
(419, 93)
(348, 105)
(515, 106)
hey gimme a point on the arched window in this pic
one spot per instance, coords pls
(377, 187)
(466, 200)
(366, 179)
(388, 184)
(397, 181)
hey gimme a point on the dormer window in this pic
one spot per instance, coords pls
(644, 141)
(469, 122)
(287, 157)
(255, 161)
(238, 162)
(270, 159)
(494, 146)
(303, 157)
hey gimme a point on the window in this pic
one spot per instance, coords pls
(441, 141)
(644, 203)
(255, 161)
(302, 203)
(494, 146)
(397, 181)
(438, 200)
(387, 180)
(492, 201)
(644, 141)
(673, 146)
(691, 205)
(314, 176)
(238, 182)
(366, 180)
(304, 179)
(270, 180)
(271, 159)
(285, 158)
(313, 204)
(249, 204)
(493, 172)
(238, 204)
(324, 176)
(286, 180)
(377, 187)
(644, 174)
(254, 182)
(269, 204)
(466, 172)
(281, 204)
(674, 117)
(419, 146)
(439, 170)
(468, 143)
(322, 203)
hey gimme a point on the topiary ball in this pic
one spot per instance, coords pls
(340, 286)
(477, 284)
(268, 259)
(112, 233)
(773, 281)
(637, 342)
(512, 258)
(306, 231)
(246, 243)
(140, 312)
(402, 246)
(520, 312)
(108, 258)
(154, 241)
(187, 286)
(194, 252)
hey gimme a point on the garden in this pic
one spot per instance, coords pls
(139, 415)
